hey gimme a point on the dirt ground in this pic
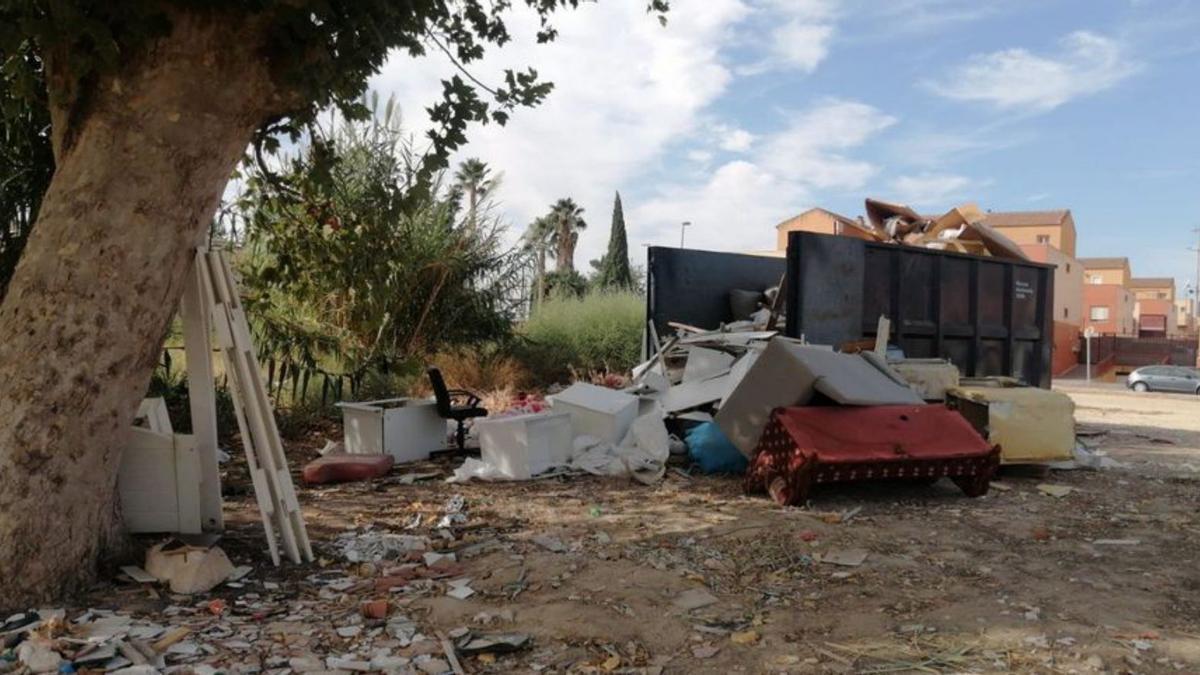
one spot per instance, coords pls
(599, 572)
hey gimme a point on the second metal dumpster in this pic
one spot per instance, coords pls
(989, 316)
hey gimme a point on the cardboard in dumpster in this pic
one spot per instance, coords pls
(788, 374)
(602, 413)
(1030, 425)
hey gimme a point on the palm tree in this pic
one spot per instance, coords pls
(566, 217)
(538, 239)
(475, 179)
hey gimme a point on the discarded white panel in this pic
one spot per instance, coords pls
(703, 363)
(158, 483)
(407, 429)
(688, 395)
(740, 338)
(523, 446)
(602, 413)
(740, 367)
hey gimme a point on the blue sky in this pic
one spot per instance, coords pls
(741, 113)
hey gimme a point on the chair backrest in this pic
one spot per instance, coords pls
(440, 392)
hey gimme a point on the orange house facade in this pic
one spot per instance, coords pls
(1109, 305)
(1155, 306)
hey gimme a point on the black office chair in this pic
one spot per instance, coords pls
(455, 404)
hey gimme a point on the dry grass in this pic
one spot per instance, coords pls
(478, 371)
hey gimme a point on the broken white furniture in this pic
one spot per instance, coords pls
(273, 488)
(602, 413)
(158, 481)
(522, 446)
(186, 470)
(407, 429)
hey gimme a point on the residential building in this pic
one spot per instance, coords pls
(821, 221)
(1109, 305)
(1114, 271)
(1068, 281)
(1155, 309)
(1109, 309)
(1054, 228)
(1068, 303)
(1185, 318)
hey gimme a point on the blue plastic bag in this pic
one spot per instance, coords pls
(712, 452)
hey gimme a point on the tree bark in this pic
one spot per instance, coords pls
(139, 176)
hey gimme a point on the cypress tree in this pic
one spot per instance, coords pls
(614, 267)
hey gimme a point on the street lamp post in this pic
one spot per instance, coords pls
(682, 230)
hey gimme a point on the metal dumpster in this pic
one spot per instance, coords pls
(989, 316)
(693, 287)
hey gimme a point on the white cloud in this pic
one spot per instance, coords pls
(810, 147)
(802, 44)
(799, 35)
(734, 207)
(935, 192)
(732, 139)
(625, 88)
(1085, 63)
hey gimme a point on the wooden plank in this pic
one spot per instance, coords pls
(259, 414)
(220, 317)
(275, 458)
(202, 393)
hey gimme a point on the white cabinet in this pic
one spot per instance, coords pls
(407, 429)
(602, 413)
(523, 446)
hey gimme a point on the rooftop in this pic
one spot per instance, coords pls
(1026, 218)
(1152, 282)
(1104, 263)
(836, 216)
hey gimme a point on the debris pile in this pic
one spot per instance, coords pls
(962, 230)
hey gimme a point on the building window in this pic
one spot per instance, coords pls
(1099, 313)
(1162, 296)
(1095, 279)
(1068, 268)
(1066, 312)
(1043, 239)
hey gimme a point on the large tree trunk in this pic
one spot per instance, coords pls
(140, 171)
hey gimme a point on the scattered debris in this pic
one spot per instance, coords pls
(695, 598)
(845, 558)
(1055, 490)
(186, 568)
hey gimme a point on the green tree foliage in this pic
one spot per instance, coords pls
(613, 270)
(322, 52)
(26, 158)
(565, 284)
(353, 266)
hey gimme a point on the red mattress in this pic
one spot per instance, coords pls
(805, 446)
(346, 468)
